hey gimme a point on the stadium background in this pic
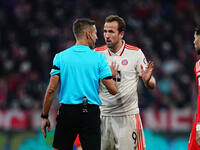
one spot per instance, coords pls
(32, 32)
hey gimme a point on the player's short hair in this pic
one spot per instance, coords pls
(197, 30)
(80, 25)
(119, 20)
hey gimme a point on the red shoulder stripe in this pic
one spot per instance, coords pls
(131, 47)
(101, 48)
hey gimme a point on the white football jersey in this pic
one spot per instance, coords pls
(125, 102)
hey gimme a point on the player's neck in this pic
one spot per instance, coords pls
(117, 47)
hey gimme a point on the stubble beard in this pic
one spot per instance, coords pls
(112, 46)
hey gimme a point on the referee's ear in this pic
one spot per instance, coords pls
(87, 35)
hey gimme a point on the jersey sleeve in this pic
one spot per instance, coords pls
(56, 66)
(141, 61)
(197, 77)
(104, 69)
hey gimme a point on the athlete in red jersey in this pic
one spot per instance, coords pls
(194, 141)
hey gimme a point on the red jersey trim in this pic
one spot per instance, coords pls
(120, 53)
(109, 52)
(122, 50)
(101, 48)
(131, 47)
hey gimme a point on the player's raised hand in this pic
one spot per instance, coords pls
(44, 125)
(146, 74)
(114, 68)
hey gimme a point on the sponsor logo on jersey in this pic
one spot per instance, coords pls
(124, 62)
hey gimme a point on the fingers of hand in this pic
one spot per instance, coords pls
(142, 69)
(44, 131)
(150, 66)
(115, 66)
(45, 123)
(49, 126)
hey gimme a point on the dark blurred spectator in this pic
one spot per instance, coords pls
(32, 32)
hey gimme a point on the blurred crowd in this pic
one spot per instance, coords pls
(32, 32)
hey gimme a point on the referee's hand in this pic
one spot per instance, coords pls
(44, 125)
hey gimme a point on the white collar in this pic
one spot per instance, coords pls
(120, 51)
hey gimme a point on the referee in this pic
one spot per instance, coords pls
(78, 69)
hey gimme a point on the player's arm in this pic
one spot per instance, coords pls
(147, 75)
(110, 85)
(198, 120)
(109, 82)
(198, 108)
(107, 73)
(50, 92)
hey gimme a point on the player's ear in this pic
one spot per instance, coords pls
(122, 34)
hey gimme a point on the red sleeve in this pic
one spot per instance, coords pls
(198, 106)
(77, 141)
(197, 77)
(195, 74)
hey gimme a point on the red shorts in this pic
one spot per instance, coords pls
(192, 141)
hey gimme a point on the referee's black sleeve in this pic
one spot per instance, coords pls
(109, 77)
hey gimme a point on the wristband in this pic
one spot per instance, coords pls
(198, 127)
(44, 116)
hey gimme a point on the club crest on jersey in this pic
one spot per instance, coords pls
(124, 62)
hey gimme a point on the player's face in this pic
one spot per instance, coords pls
(92, 37)
(111, 34)
(197, 42)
